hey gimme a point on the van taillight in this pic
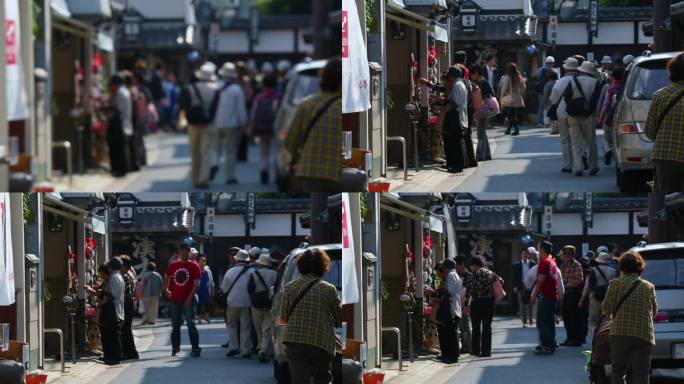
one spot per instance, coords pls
(628, 128)
(661, 317)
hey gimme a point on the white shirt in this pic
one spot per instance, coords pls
(124, 107)
(525, 270)
(232, 109)
(459, 98)
(238, 296)
(587, 82)
(116, 287)
(454, 287)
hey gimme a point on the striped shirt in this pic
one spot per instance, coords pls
(320, 153)
(315, 317)
(635, 316)
(669, 136)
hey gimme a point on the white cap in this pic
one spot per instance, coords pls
(532, 250)
(228, 71)
(265, 259)
(193, 251)
(255, 251)
(601, 248)
(606, 60)
(284, 66)
(550, 59)
(206, 71)
(266, 67)
(242, 255)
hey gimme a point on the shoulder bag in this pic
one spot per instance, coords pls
(244, 269)
(600, 292)
(301, 295)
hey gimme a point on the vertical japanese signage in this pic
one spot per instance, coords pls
(546, 220)
(16, 95)
(6, 261)
(251, 209)
(593, 17)
(350, 288)
(553, 22)
(345, 35)
(211, 214)
(588, 213)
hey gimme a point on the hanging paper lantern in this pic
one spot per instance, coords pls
(531, 49)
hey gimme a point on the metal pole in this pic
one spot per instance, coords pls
(72, 319)
(416, 163)
(319, 230)
(662, 26)
(657, 228)
(410, 335)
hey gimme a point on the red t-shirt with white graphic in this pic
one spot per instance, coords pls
(182, 274)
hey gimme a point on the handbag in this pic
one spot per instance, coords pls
(497, 290)
(491, 107)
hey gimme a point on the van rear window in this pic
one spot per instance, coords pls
(647, 78)
(664, 268)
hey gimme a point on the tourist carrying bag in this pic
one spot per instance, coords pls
(244, 269)
(198, 113)
(497, 290)
(600, 292)
(301, 295)
(260, 299)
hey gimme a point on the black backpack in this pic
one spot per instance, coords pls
(260, 299)
(199, 113)
(580, 106)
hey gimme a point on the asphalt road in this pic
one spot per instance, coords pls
(156, 366)
(528, 162)
(170, 169)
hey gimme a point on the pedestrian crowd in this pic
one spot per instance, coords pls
(310, 310)
(223, 110)
(600, 292)
(574, 100)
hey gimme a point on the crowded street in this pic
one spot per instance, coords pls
(534, 155)
(157, 366)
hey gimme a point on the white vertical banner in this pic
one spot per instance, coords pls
(451, 232)
(350, 288)
(355, 71)
(6, 263)
(16, 94)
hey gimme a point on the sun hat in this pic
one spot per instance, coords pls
(206, 72)
(228, 71)
(254, 251)
(604, 258)
(588, 68)
(264, 259)
(242, 255)
(571, 64)
(601, 248)
(550, 59)
(606, 60)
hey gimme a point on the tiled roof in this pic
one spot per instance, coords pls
(495, 218)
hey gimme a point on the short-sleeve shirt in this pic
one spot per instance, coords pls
(547, 269)
(183, 275)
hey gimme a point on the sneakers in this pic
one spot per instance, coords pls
(232, 353)
(566, 170)
(196, 352)
(593, 172)
(264, 177)
(607, 157)
(263, 358)
(212, 172)
(175, 352)
(224, 345)
(543, 351)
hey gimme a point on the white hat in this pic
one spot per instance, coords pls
(206, 71)
(266, 67)
(284, 66)
(550, 59)
(627, 60)
(571, 64)
(193, 251)
(604, 258)
(588, 68)
(601, 248)
(228, 71)
(606, 60)
(265, 259)
(242, 255)
(532, 250)
(255, 251)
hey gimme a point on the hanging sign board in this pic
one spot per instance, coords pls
(355, 71)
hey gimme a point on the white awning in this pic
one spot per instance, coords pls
(99, 225)
(391, 203)
(396, 11)
(105, 42)
(61, 7)
(441, 33)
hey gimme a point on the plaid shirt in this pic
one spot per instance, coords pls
(319, 154)
(635, 316)
(316, 315)
(479, 285)
(669, 137)
(572, 274)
